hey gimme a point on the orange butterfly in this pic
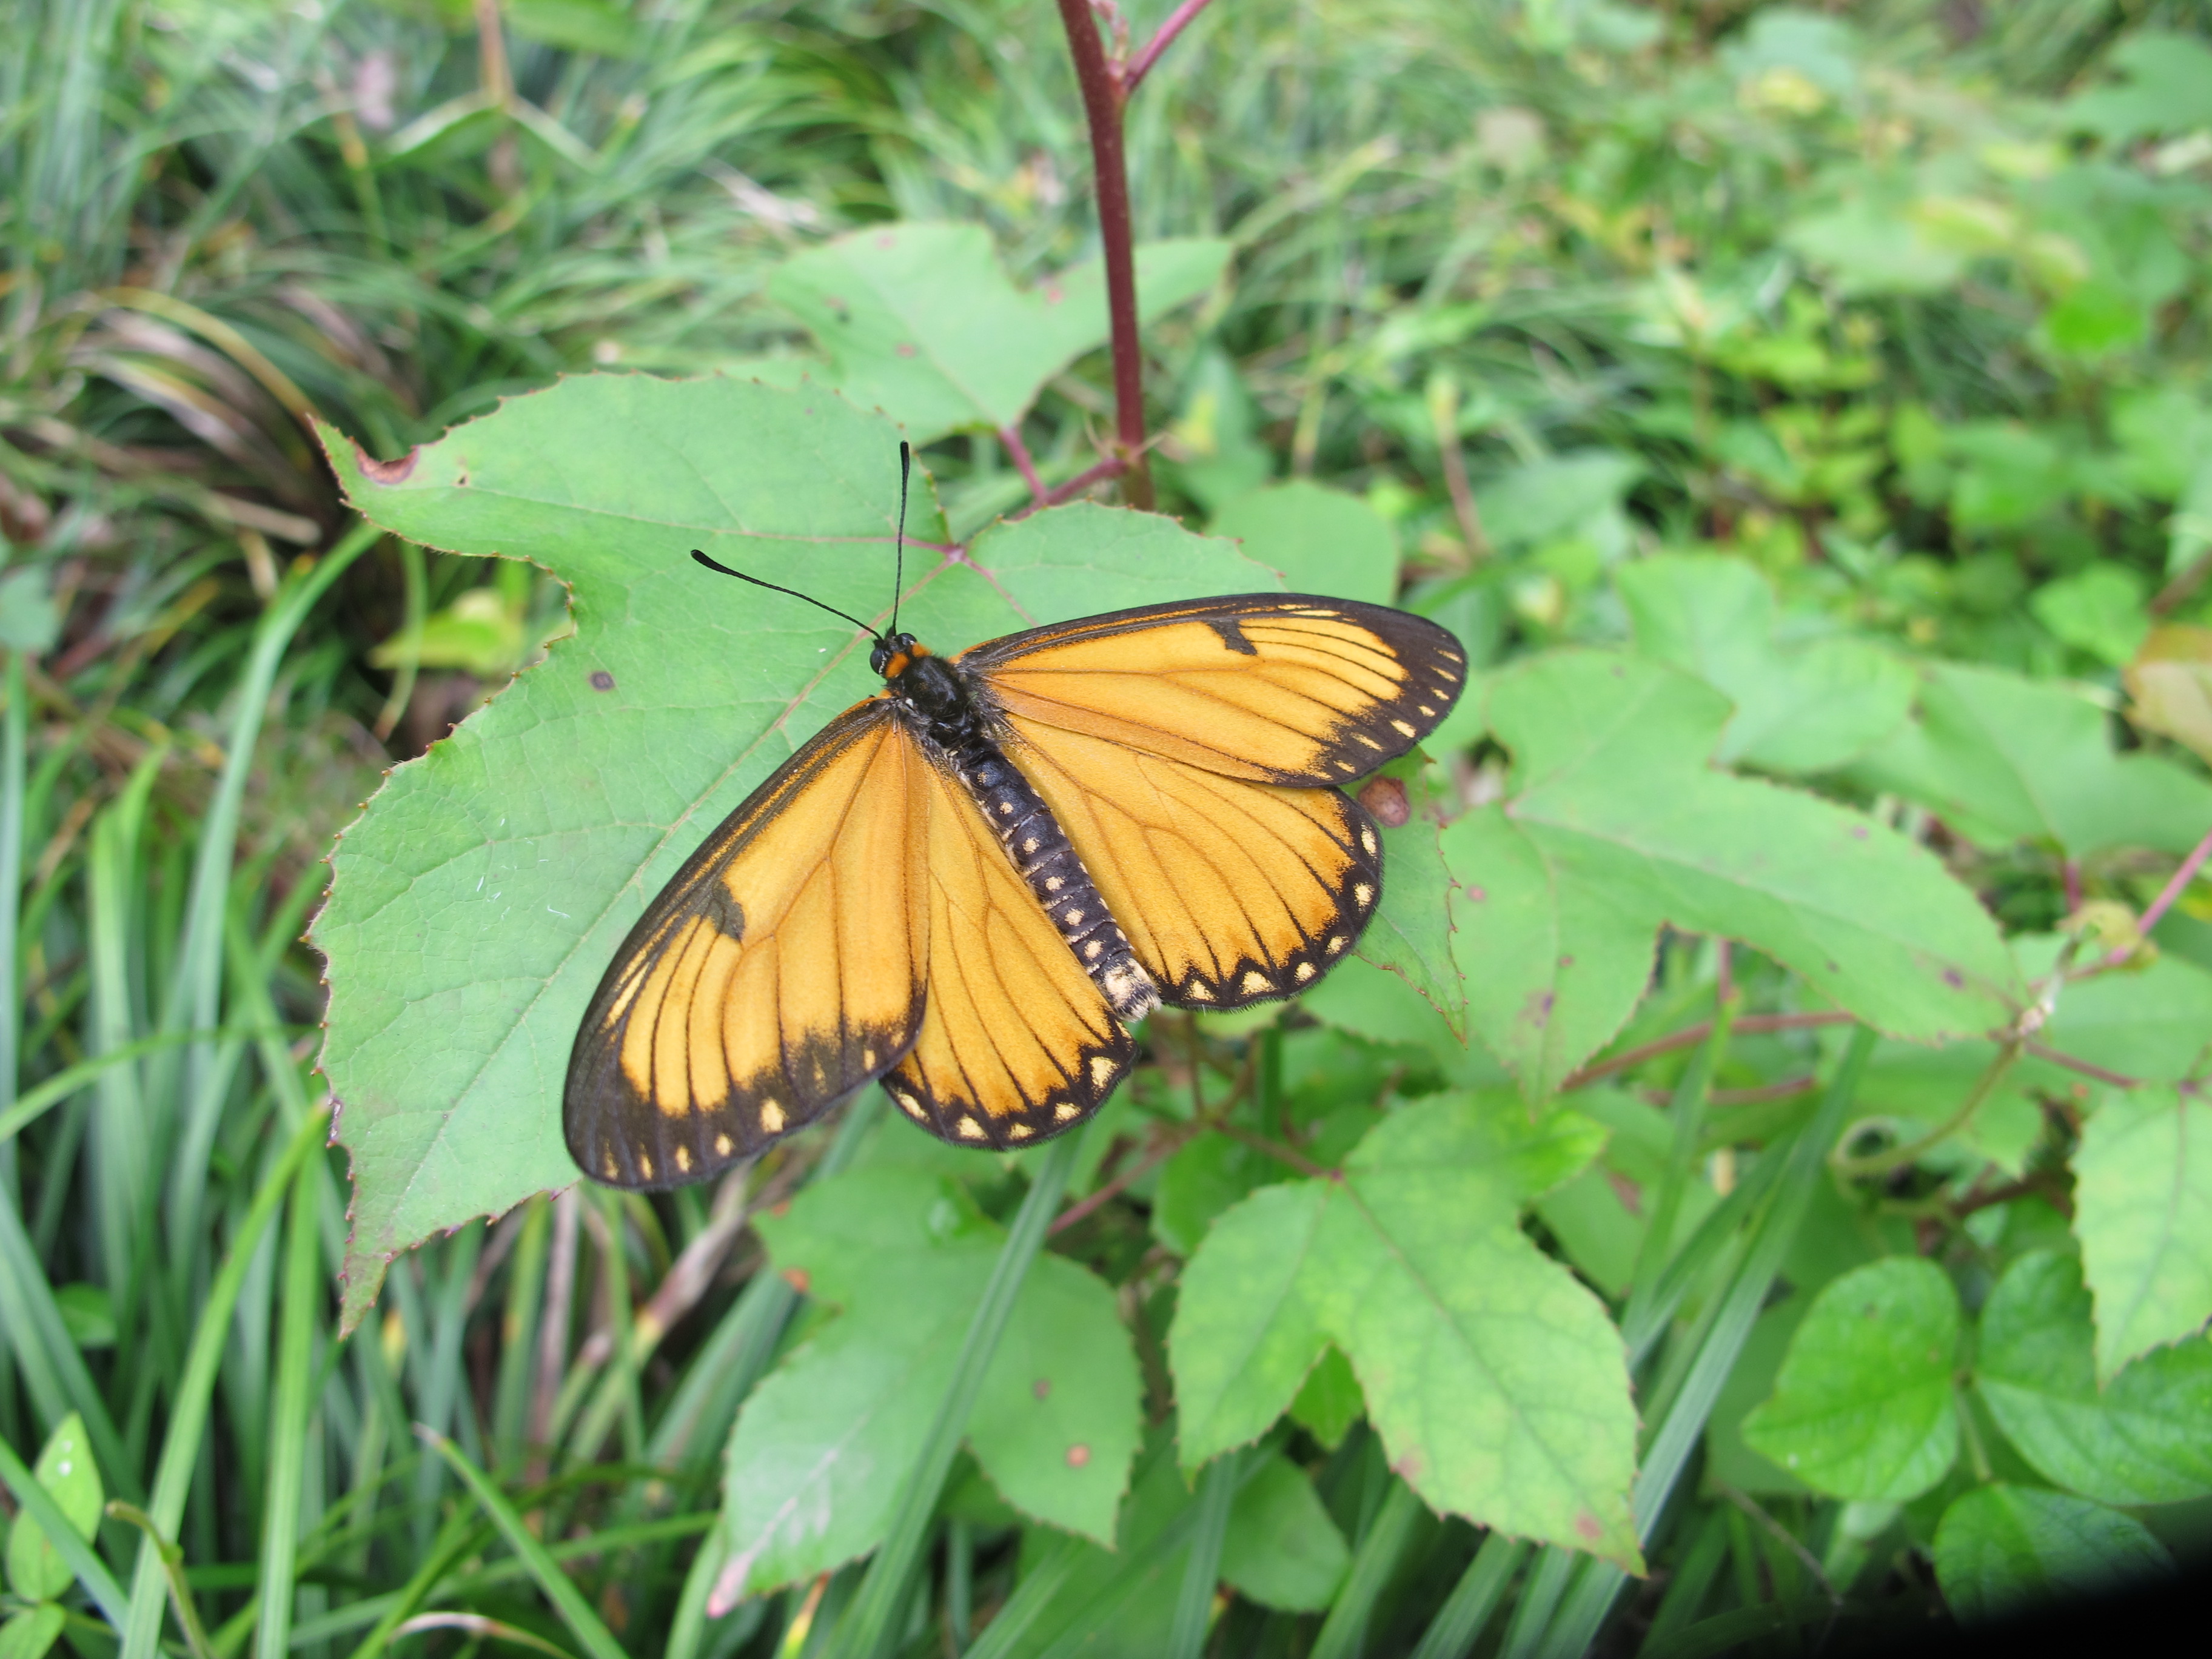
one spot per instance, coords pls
(971, 884)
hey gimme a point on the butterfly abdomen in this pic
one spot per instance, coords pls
(1036, 844)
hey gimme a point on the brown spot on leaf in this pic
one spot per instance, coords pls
(1041, 1387)
(797, 1280)
(1953, 978)
(1078, 1455)
(1408, 1467)
(1586, 1526)
(1386, 798)
(1477, 894)
(387, 472)
(602, 681)
(1858, 832)
(906, 348)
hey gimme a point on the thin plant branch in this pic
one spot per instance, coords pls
(2171, 892)
(1133, 73)
(1897, 1157)
(1023, 463)
(2043, 1051)
(1691, 1035)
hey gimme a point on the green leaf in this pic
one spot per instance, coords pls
(2142, 1209)
(2153, 1022)
(1807, 706)
(476, 903)
(1328, 1402)
(1202, 1180)
(819, 1448)
(2005, 759)
(1410, 932)
(2098, 611)
(1372, 1003)
(2000, 1548)
(2140, 1441)
(29, 619)
(1322, 540)
(1863, 1406)
(1558, 498)
(920, 321)
(1494, 1378)
(28, 1635)
(1281, 1549)
(65, 1468)
(2168, 88)
(1614, 825)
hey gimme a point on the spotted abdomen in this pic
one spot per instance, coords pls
(1040, 852)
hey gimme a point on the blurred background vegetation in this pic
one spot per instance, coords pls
(1902, 301)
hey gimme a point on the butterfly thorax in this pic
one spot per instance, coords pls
(942, 703)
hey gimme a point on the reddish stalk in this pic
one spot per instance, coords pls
(2083, 1067)
(1101, 85)
(1178, 20)
(1022, 465)
(2173, 890)
(1690, 1035)
(1112, 467)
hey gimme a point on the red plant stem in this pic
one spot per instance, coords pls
(1112, 467)
(2173, 890)
(1022, 463)
(1690, 1035)
(1102, 104)
(1178, 20)
(2115, 1078)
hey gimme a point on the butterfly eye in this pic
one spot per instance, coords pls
(877, 658)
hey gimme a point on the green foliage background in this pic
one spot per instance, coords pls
(1763, 1150)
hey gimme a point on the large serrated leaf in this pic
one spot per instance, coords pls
(476, 903)
(478, 899)
(2142, 1209)
(1615, 824)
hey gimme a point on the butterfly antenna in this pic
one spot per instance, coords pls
(898, 542)
(793, 592)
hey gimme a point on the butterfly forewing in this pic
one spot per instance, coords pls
(779, 971)
(1017, 1043)
(1285, 688)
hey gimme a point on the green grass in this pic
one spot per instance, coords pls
(216, 220)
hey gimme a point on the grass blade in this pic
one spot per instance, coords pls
(181, 1448)
(280, 1513)
(567, 1601)
(1591, 1596)
(867, 1631)
(1194, 1601)
(1453, 1633)
(1344, 1633)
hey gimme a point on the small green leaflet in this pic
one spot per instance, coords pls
(2000, 1548)
(2142, 1209)
(1494, 1378)
(1863, 1408)
(820, 1448)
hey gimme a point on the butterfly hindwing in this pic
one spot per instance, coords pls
(1017, 1043)
(779, 971)
(1286, 688)
(1231, 892)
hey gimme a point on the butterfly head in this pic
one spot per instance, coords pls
(895, 653)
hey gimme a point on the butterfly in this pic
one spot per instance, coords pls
(970, 886)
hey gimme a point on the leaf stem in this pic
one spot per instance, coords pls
(2171, 891)
(1102, 103)
(1024, 463)
(1879, 1164)
(1132, 74)
(1690, 1035)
